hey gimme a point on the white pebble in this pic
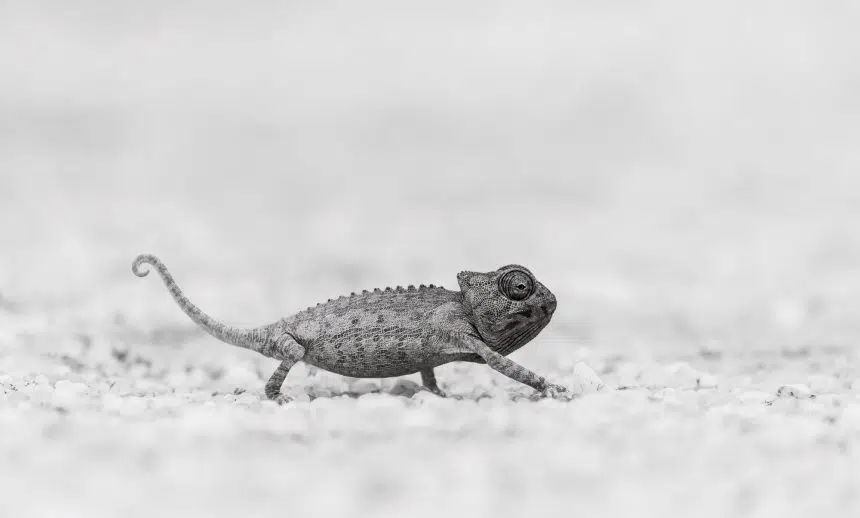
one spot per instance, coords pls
(795, 391)
(299, 397)
(197, 396)
(820, 384)
(851, 417)
(707, 381)
(7, 380)
(855, 386)
(122, 386)
(829, 400)
(654, 377)
(149, 386)
(404, 388)
(102, 387)
(667, 396)
(756, 396)
(39, 394)
(682, 375)
(363, 387)
(71, 387)
(628, 375)
(67, 393)
(585, 380)
(318, 392)
(493, 391)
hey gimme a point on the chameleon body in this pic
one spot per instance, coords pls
(398, 331)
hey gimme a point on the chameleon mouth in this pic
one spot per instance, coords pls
(522, 326)
(529, 313)
(521, 335)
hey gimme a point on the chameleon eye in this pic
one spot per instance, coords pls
(516, 285)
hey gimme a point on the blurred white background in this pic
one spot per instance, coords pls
(674, 171)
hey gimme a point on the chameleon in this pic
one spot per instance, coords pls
(397, 331)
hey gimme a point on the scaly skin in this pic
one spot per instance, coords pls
(399, 331)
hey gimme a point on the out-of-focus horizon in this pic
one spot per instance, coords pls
(673, 171)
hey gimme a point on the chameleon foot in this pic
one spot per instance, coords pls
(282, 399)
(436, 390)
(428, 379)
(557, 392)
(273, 386)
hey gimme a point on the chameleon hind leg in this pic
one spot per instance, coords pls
(289, 352)
(428, 379)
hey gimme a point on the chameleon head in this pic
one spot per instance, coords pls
(508, 306)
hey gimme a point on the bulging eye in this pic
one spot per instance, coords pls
(516, 285)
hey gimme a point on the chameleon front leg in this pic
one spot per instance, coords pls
(289, 352)
(428, 379)
(510, 368)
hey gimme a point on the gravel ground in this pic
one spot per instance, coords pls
(94, 430)
(684, 180)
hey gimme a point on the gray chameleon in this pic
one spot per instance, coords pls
(398, 331)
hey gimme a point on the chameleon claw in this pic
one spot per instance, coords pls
(282, 399)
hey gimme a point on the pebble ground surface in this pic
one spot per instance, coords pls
(94, 429)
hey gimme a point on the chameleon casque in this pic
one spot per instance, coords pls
(398, 331)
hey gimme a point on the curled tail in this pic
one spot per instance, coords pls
(255, 339)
